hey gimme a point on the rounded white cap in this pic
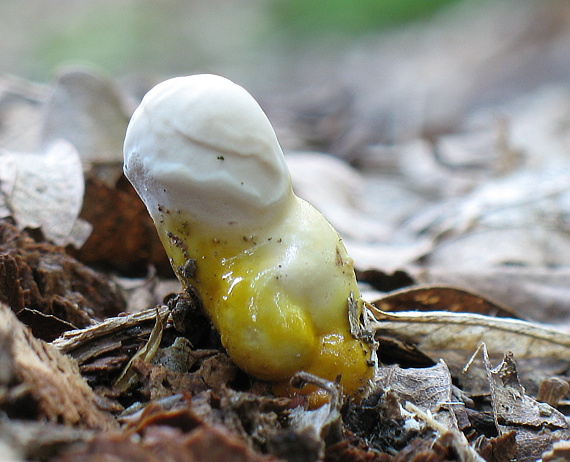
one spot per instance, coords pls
(203, 146)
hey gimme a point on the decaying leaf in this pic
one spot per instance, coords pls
(537, 425)
(455, 438)
(503, 221)
(212, 370)
(553, 390)
(500, 449)
(380, 422)
(38, 276)
(429, 389)
(45, 190)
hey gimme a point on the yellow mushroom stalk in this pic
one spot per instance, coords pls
(272, 274)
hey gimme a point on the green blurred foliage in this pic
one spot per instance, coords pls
(121, 38)
(309, 18)
(182, 36)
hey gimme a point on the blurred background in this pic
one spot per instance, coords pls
(406, 64)
(174, 36)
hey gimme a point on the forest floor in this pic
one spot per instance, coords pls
(441, 154)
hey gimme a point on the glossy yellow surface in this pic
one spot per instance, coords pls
(278, 296)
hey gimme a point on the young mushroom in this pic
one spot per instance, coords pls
(271, 272)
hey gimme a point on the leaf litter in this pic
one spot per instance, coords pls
(477, 210)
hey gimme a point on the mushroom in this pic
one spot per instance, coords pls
(272, 274)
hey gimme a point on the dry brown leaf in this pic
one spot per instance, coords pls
(529, 245)
(440, 331)
(428, 388)
(49, 378)
(440, 298)
(552, 390)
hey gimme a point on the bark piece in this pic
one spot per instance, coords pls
(500, 449)
(552, 390)
(43, 277)
(40, 373)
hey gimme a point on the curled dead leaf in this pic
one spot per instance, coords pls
(441, 298)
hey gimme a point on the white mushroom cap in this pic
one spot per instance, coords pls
(201, 145)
